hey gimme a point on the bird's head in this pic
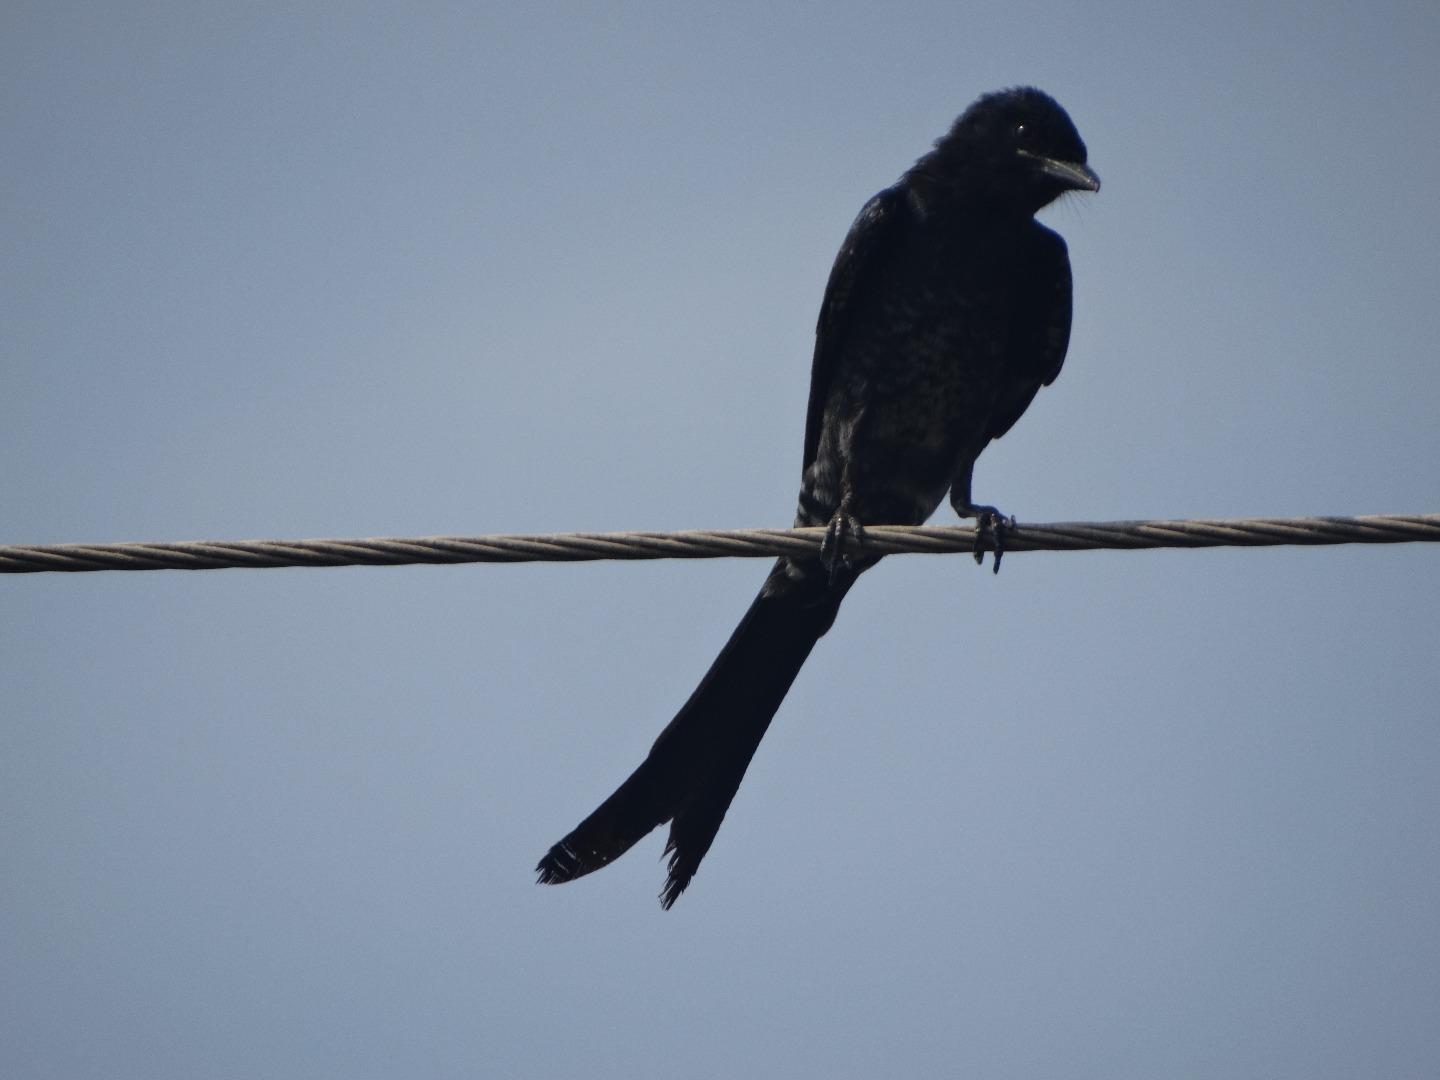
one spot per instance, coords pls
(1016, 146)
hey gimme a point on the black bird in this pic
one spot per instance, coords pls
(947, 308)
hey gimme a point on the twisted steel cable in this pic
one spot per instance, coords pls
(711, 544)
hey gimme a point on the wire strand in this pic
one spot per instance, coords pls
(712, 544)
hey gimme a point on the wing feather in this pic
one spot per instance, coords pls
(871, 238)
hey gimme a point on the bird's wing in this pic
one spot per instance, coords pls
(874, 234)
(1040, 328)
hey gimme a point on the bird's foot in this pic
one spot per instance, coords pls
(844, 525)
(990, 526)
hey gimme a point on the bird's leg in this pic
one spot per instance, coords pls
(990, 523)
(843, 525)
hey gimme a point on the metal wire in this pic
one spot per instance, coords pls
(711, 544)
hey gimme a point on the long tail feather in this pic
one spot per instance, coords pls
(696, 765)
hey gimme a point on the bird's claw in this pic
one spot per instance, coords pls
(843, 526)
(990, 526)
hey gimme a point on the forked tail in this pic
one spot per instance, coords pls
(695, 767)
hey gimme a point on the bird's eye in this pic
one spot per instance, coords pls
(1022, 133)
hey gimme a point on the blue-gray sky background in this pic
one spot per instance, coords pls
(448, 268)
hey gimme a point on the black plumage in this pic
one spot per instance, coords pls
(947, 309)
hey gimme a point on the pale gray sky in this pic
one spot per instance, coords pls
(452, 268)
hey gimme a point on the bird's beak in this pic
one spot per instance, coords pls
(1074, 176)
